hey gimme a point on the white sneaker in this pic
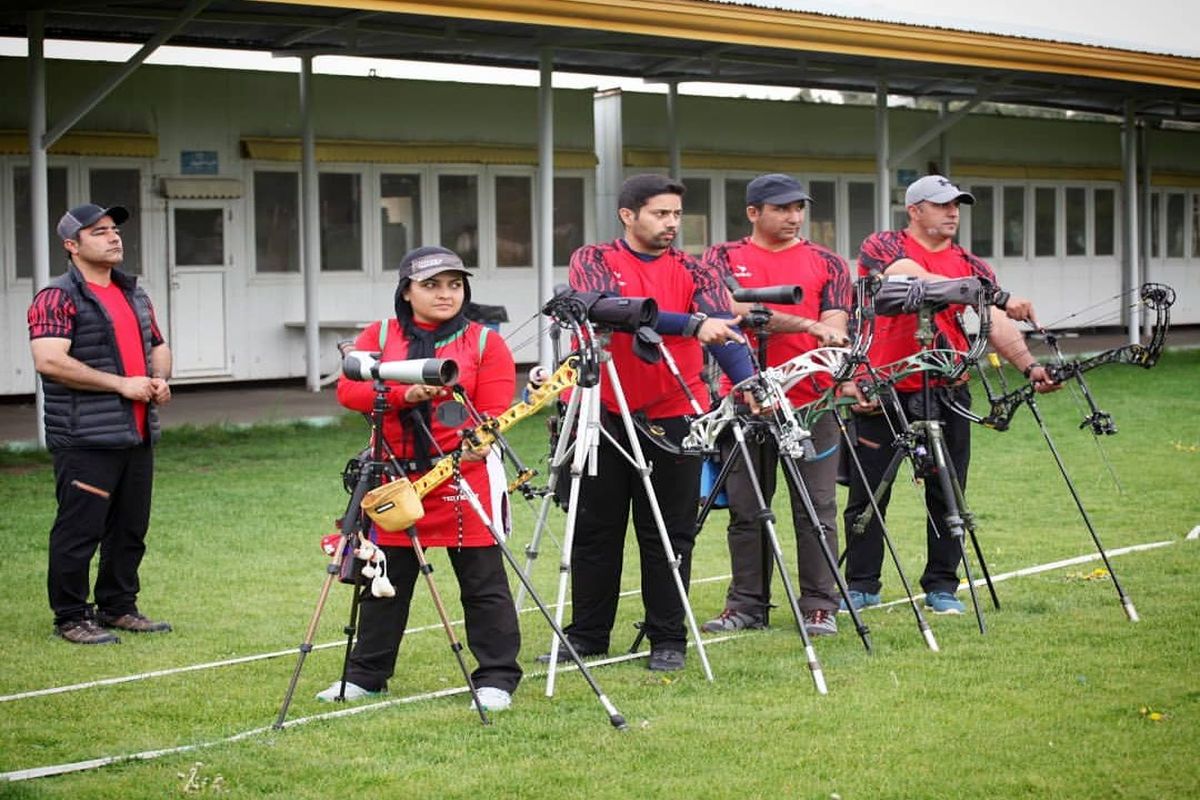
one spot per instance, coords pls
(493, 699)
(353, 692)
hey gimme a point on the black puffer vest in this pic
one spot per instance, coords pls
(82, 418)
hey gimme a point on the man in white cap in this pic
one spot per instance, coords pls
(926, 250)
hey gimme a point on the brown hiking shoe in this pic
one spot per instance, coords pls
(85, 631)
(135, 622)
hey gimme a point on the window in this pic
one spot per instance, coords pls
(399, 216)
(1014, 221)
(1076, 220)
(458, 207)
(1104, 203)
(199, 236)
(697, 208)
(1044, 222)
(340, 197)
(514, 221)
(737, 224)
(983, 225)
(276, 222)
(1176, 217)
(1155, 248)
(56, 205)
(120, 187)
(1196, 226)
(862, 214)
(568, 218)
(821, 225)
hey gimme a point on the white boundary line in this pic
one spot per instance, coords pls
(161, 673)
(145, 755)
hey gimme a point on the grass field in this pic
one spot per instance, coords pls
(1062, 698)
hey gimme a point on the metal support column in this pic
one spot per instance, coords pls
(1148, 230)
(545, 204)
(883, 186)
(310, 251)
(674, 159)
(944, 141)
(610, 161)
(38, 181)
(1129, 228)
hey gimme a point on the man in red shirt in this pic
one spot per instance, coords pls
(775, 255)
(926, 250)
(104, 367)
(692, 303)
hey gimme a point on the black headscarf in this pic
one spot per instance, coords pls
(421, 344)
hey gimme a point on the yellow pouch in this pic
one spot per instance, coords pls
(394, 506)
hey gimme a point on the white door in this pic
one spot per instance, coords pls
(200, 261)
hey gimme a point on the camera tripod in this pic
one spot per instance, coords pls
(582, 419)
(353, 527)
(923, 442)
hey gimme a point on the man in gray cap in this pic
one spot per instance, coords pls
(926, 250)
(104, 366)
(775, 254)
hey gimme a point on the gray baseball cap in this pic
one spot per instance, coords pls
(935, 189)
(85, 216)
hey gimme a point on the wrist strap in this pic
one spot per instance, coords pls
(1029, 369)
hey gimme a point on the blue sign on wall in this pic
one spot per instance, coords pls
(198, 162)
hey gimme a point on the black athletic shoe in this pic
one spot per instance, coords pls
(666, 660)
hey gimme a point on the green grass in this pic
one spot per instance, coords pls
(1047, 704)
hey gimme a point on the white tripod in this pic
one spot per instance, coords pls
(583, 417)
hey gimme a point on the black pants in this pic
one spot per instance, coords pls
(489, 615)
(599, 546)
(864, 556)
(748, 554)
(104, 502)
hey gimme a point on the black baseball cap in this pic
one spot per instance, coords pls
(85, 216)
(425, 262)
(777, 189)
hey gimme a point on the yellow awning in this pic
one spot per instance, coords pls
(801, 31)
(86, 143)
(362, 151)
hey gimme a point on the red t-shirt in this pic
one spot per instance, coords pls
(129, 339)
(896, 337)
(824, 278)
(677, 282)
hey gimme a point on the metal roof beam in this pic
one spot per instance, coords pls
(124, 71)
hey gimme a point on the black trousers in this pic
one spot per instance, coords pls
(864, 553)
(490, 617)
(103, 502)
(597, 553)
(748, 553)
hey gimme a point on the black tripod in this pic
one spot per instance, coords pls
(354, 530)
(923, 442)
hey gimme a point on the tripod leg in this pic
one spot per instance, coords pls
(614, 716)
(455, 645)
(791, 472)
(587, 400)
(1126, 602)
(969, 524)
(562, 450)
(652, 498)
(875, 497)
(332, 569)
(922, 624)
(768, 524)
(950, 493)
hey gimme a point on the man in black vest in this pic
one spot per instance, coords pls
(104, 367)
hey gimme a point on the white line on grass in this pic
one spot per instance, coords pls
(161, 673)
(1194, 533)
(80, 766)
